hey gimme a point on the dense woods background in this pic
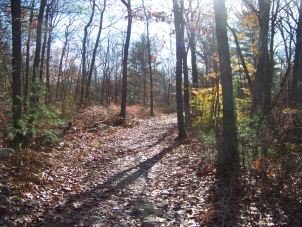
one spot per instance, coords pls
(232, 70)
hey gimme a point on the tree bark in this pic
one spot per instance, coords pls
(239, 52)
(46, 24)
(83, 84)
(262, 83)
(125, 61)
(16, 74)
(27, 61)
(229, 157)
(35, 79)
(61, 64)
(178, 17)
(192, 46)
(94, 52)
(296, 87)
(193, 60)
(47, 85)
(268, 102)
(185, 71)
(34, 98)
(149, 63)
(186, 89)
(264, 8)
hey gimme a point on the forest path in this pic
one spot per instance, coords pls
(127, 177)
(133, 176)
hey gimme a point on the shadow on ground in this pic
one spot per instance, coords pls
(115, 187)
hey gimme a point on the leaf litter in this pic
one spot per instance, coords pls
(130, 176)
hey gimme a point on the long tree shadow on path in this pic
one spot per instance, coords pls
(90, 199)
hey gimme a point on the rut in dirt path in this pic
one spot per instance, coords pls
(116, 187)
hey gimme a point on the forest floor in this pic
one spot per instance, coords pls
(136, 175)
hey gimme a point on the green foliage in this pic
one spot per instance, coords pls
(250, 144)
(210, 140)
(45, 128)
(46, 125)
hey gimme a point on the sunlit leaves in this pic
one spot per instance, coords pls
(207, 101)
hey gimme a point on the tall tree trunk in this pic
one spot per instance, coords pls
(192, 45)
(66, 76)
(193, 60)
(268, 86)
(54, 6)
(185, 71)
(34, 99)
(94, 52)
(186, 89)
(268, 76)
(149, 62)
(61, 64)
(229, 157)
(296, 87)
(27, 61)
(44, 43)
(105, 74)
(262, 86)
(239, 52)
(178, 18)
(16, 74)
(47, 85)
(84, 69)
(125, 61)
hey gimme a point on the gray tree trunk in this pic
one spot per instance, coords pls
(125, 61)
(16, 72)
(229, 157)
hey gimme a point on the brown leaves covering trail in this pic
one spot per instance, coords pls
(114, 176)
(138, 175)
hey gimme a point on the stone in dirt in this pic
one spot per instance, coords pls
(4, 191)
(6, 151)
(95, 218)
(152, 221)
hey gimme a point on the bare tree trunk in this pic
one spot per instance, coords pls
(193, 60)
(61, 63)
(186, 89)
(34, 98)
(16, 74)
(230, 156)
(84, 69)
(149, 62)
(94, 52)
(239, 52)
(178, 18)
(27, 63)
(262, 82)
(44, 44)
(192, 45)
(125, 61)
(47, 85)
(269, 81)
(35, 79)
(296, 87)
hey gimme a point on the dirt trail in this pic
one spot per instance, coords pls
(120, 177)
(132, 176)
(135, 176)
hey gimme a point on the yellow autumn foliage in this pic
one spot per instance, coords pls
(208, 108)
